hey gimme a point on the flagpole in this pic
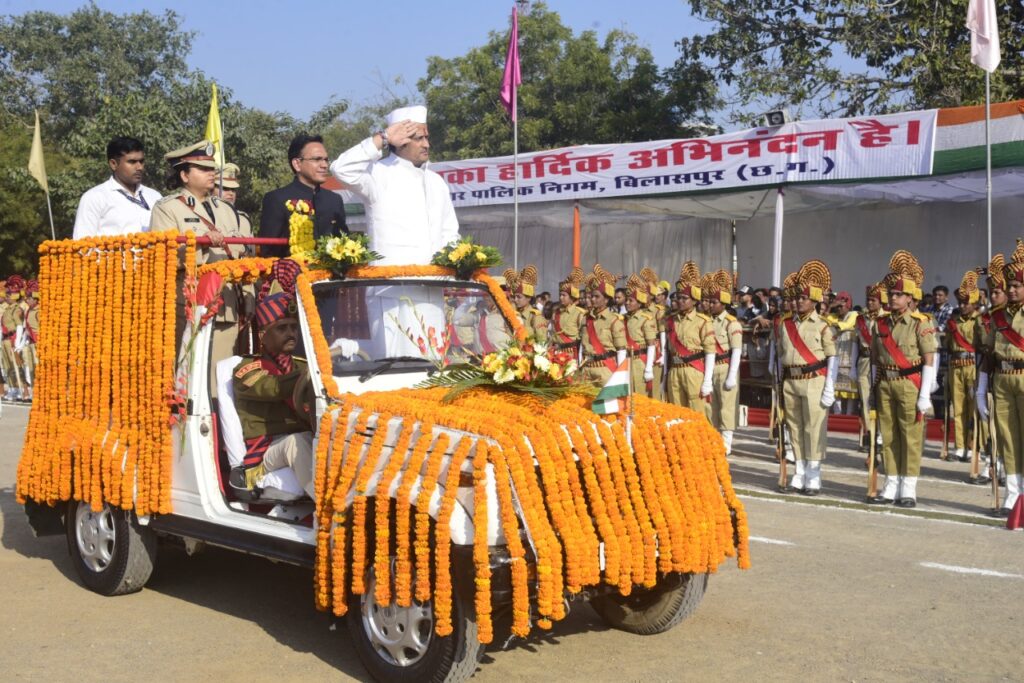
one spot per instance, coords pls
(49, 210)
(629, 399)
(515, 183)
(988, 162)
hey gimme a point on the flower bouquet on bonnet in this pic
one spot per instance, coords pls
(466, 257)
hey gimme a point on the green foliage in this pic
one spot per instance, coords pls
(575, 90)
(850, 57)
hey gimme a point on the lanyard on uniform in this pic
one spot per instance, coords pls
(140, 201)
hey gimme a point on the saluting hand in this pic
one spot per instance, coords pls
(401, 132)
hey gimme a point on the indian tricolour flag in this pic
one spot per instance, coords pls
(610, 399)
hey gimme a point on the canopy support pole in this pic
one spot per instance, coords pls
(777, 238)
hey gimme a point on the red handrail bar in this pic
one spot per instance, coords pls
(255, 241)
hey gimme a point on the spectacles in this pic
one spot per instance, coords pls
(315, 160)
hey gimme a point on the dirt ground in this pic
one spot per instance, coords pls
(837, 593)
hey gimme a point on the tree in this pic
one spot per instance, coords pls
(576, 90)
(849, 57)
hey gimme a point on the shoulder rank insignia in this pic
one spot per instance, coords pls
(247, 368)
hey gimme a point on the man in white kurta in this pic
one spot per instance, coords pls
(408, 207)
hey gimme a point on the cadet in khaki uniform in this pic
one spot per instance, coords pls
(641, 336)
(963, 332)
(603, 335)
(269, 397)
(192, 207)
(789, 294)
(725, 399)
(807, 354)
(659, 309)
(902, 352)
(521, 287)
(569, 316)
(997, 300)
(690, 344)
(5, 370)
(1005, 338)
(13, 317)
(876, 297)
(28, 352)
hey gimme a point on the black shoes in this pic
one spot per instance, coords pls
(1001, 513)
(906, 503)
(879, 500)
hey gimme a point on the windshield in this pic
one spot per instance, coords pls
(408, 323)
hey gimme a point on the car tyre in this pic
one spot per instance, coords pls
(113, 554)
(399, 645)
(647, 611)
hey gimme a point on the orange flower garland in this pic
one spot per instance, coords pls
(102, 378)
(481, 558)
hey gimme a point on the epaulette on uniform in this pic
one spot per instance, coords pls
(705, 316)
(731, 318)
(921, 316)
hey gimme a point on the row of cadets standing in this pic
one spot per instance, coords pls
(19, 329)
(1003, 366)
(806, 353)
(903, 353)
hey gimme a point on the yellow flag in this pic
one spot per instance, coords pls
(213, 130)
(36, 163)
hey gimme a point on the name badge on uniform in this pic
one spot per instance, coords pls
(190, 220)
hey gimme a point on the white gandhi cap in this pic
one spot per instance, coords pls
(416, 113)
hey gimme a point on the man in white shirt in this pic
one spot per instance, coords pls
(408, 207)
(123, 204)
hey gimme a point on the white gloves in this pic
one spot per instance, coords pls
(771, 360)
(828, 394)
(981, 395)
(20, 338)
(734, 369)
(664, 350)
(709, 371)
(649, 367)
(924, 400)
(854, 357)
(345, 347)
(620, 356)
(935, 374)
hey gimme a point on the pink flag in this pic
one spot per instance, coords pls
(512, 78)
(981, 20)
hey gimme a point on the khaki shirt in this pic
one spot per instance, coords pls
(728, 331)
(641, 330)
(659, 311)
(567, 323)
(816, 334)
(611, 332)
(170, 213)
(695, 331)
(495, 329)
(11, 317)
(969, 328)
(871, 321)
(997, 341)
(914, 334)
(535, 323)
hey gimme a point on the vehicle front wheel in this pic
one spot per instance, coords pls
(112, 553)
(399, 643)
(646, 611)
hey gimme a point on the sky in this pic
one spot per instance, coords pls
(294, 56)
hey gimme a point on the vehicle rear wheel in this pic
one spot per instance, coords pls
(112, 553)
(399, 644)
(646, 611)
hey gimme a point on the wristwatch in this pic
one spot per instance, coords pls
(383, 133)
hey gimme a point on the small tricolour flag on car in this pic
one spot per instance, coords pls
(610, 399)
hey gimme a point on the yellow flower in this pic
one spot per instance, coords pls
(522, 367)
(504, 375)
(335, 248)
(481, 256)
(460, 251)
(555, 371)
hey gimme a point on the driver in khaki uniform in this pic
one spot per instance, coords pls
(270, 398)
